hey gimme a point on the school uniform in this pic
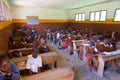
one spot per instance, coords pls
(34, 63)
(90, 51)
(15, 73)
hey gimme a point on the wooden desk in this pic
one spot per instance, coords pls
(83, 46)
(47, 58)
(53, 74)
(75, 44)
(24, 51)
(103, 58)
(21, 49)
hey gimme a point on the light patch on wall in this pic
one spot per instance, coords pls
(32, 20)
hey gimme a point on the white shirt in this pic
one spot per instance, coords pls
(58, 35)
(106, 45)
(95, 49)
(34, 63)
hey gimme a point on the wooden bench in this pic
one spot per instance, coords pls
(47, 58)
(24, 51)
(53, 74)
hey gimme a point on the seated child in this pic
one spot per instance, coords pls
(34, 63)
(8, 70)
(16, 54)
(70, 48)
(91, 56)
(108, 46)
(42, 46)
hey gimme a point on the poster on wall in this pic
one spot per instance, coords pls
(32, 20)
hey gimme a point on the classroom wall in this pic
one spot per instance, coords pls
(47, 17)
(4, 38)
(108, 25)
(109, 6)
(48, 14)
(95, 26)
(4, 23)
(6, 30)
(40, 28)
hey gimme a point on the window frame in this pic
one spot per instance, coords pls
(6, 11)
(90, 16)
(80, 20)
(75, 17)
(82, 16)
(2, 16)
(115, 14)
(105, 17)
(99, 16)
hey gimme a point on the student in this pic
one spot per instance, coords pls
(42, 46)
(108, 47)
(70, 48)
(16, 54)
(34, 63)
(91, 57)
(64, 43)
(115, 35)
(8, 70)
(58, 35)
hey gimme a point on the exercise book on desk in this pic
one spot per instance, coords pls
(112, 52)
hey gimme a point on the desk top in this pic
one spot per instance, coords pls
(21, 49)
(85, 44)
(112, 52)
(110, 55)
(53, 74)
(78, 40)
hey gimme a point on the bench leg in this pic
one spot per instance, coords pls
(101, 67)
(52, 66)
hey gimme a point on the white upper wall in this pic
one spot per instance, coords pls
(54, 4)
(22, 12)
(63, 14)
(109, 6)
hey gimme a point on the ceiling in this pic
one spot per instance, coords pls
(56, 4)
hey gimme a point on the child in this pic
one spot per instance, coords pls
(34, 63)
(90, 56)
(8, 70)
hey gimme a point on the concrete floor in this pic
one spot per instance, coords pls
(79, 68)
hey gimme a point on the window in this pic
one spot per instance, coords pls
(7, 12)
(76, 17)
(98, 16)
(1, 13)
(92, 16)
(117, 15)
(80, 17)
(103, 15)
(32, 20)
